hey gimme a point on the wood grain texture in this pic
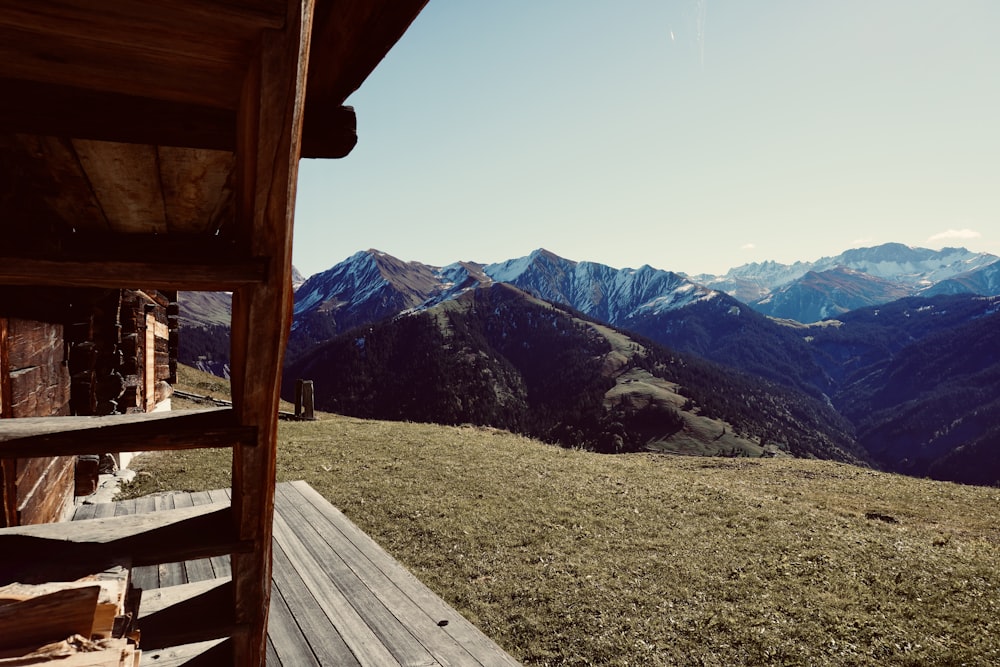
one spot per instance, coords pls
(350, 38)
(126, 180)
(286, 636)
(153, 431)
(162, 537)
(34, 54)
(411, 600)
(336, 592)
(210, 653)
(221, 276)
(50, 170)
(362, 639)
(325, 635)
(186, 613)
(8, 467)
(48, 618)
(269, 129)
(196, 190)
(52, 498)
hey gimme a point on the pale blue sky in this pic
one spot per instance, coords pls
(692, 135)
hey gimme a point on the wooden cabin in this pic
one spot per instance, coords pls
(146, 147)
(85, 353)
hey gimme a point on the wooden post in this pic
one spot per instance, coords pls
(269, 130)
(8, 467)
(307, 400)
(304, 400)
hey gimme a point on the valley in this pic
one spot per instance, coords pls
(623, 360)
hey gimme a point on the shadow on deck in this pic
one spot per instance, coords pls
(337, 597)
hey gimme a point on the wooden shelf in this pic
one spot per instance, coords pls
(44, 552)
(154, 431)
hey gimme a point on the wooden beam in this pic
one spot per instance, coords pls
(37, 553)
(35, 108)
(331, 133)
(152, 431)
(350, 38)
(125, 68)
(179, 16)
(220, 276)
(269, 131)
(8, 467)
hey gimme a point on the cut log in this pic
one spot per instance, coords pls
(46, 618)
(113, 585)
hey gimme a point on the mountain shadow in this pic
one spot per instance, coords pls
(496, 356)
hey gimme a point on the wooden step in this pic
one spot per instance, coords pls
(43, 552)
(186, 613)
(177, 429)
(210, 653)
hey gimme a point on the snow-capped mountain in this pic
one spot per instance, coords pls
(371, 285)
(984, 280)
(861, 276)
(600, 291)
(824, 294)
(366, 287)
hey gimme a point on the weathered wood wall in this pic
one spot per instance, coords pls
(117, 353)
(37, 382)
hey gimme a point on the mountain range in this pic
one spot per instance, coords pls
(837, 367)
(812, 291)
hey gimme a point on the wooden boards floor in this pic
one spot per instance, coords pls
(337, 597)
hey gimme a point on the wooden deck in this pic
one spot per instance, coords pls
(337, 597)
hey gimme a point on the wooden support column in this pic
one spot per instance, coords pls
(8, 466)
(269, 127)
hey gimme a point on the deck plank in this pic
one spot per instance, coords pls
(84, 511)
(332, 554)
(363, 641)
(271, 656)
(338, 598)
(314, 625)
(186, 613)
(420, 607)
(201, 654)
(285, 635)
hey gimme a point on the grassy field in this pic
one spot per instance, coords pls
(572, 558)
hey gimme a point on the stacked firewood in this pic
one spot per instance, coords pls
(83, 623)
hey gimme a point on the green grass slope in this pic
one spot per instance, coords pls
(567, 557)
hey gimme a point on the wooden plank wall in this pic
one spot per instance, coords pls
(39, 386)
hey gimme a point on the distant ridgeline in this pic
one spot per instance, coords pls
(907, 385)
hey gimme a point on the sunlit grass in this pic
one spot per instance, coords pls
(573, 558)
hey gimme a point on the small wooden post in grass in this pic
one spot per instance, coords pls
(304, 400)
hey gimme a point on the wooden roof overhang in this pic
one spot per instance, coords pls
(123, 116)
(155, 143)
